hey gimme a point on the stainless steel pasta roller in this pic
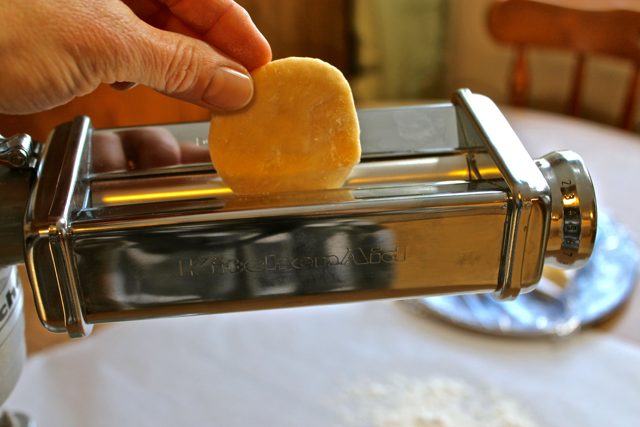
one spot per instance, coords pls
(446, 200)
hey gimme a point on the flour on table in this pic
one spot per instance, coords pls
(400, 401)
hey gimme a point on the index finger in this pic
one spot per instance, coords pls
(223, 24)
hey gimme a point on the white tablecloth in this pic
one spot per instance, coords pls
(288, 368)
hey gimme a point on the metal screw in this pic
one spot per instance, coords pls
(17, 159)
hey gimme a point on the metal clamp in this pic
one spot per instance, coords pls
(19, 151)
(48, 217)
(526, 183)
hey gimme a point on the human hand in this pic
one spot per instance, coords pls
(195, 50)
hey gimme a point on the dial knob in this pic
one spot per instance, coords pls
(572, 232)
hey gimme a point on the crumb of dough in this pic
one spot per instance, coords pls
(558, 277)
(299, 132)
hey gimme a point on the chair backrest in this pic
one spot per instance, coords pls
(604, 27)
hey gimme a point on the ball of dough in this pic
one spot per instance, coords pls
(299, 132)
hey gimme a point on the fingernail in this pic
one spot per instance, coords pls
(229, 89)
(122, 86)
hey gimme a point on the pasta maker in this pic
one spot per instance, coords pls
(445, 201)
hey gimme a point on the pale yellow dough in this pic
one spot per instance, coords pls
(299, 132)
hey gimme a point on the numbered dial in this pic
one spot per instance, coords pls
(572, 231)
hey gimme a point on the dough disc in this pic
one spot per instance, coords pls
(299, 132)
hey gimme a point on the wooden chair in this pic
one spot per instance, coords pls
(603, 27)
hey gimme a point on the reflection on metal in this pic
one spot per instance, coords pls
(424, 169)
(197, 183)
(13, 350)
(456, 208)
(527, 186)
(166, 195)
(19, 151)
(573, 227)
(590, 296)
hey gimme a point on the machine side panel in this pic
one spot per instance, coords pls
(536, 237)
(248, 265)
(42, 276)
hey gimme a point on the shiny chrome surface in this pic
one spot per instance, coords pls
(369, 247)
(589, 296)
(19, 151)
(198, 182)
(18, 156)
(15, 189)
(572, 233)
(59, 191)
(391, 131)
(457, 208)
(13, 350)
(529, 191)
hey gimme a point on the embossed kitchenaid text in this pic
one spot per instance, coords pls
(353, 256)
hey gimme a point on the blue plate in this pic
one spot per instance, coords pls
(591, 295)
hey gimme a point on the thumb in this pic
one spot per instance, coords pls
(185, 68)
